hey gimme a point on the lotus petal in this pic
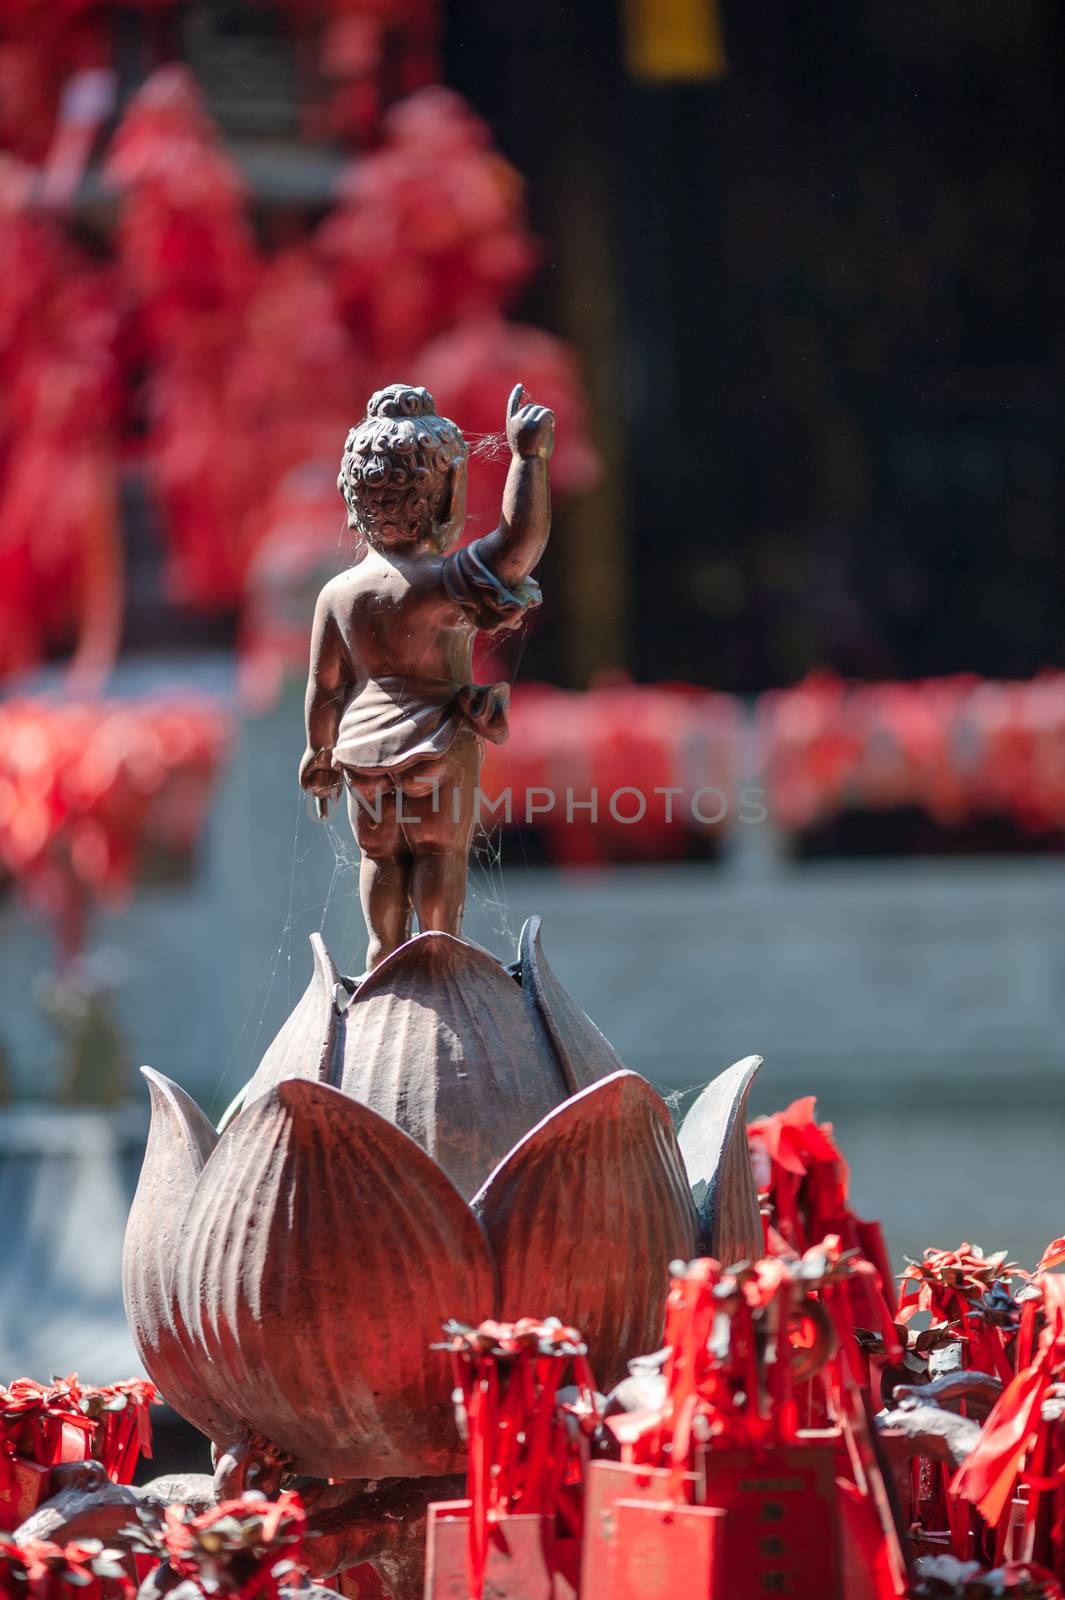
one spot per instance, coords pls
(713, 1142)
(585, 1215)
(584, 1054)
(180, 1141)
(325, 1250)
(439, 1040)
(305, 1046)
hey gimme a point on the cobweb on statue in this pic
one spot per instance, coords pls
(486, 887)
(494, 446)
(282, 956)
(487, 890)
(287, 961)
(679, 1100)
(487, 446)
(287, 964)
(487, 898)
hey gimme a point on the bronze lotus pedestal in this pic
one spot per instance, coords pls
(456, 1139)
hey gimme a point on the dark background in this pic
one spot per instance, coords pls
(820, 305)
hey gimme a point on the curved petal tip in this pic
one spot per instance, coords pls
(713, 1142)
(177, 1123)
(305, 1045)
(584, 1054)
(180, 1142)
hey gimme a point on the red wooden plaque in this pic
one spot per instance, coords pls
(638, 1540)
(526, 1558)
(781, 1534)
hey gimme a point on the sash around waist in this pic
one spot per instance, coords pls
(393, 721)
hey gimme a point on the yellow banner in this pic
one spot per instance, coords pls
(674, 40)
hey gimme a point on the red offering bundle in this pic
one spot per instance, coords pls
(184, 244)
(722, 1489)
(953, 1286)
(248, 1548)
(966, 1296)
(742, 1344)
(795, 1510)
(39, 1570)
(85, 788)
(956, 748)
(123, 1425)
(1015, 1477)
(45, 1422)
(619, 772)
(803, 1182)
(45, 1425)
(520, 1525)
(430, 230)
(60, 558)
(40, 1426)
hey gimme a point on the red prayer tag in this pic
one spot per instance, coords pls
(664, 1553)
(781, 1534)
(607, 1484)
(26, 1484)
(525, 1560)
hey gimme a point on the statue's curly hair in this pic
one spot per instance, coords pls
(394, 471)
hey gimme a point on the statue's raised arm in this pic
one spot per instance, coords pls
(515, 547)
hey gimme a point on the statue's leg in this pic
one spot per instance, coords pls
(438, 822)
(385, 869)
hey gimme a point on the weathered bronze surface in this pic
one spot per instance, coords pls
(583, 1053)
(438, 1040)
(180, 1140)
(403, 1155)
(392, 711)
(585, 1213)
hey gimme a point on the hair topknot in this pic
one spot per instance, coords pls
(401, 400)
(395, 467)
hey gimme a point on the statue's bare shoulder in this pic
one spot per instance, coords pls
(378, 582)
